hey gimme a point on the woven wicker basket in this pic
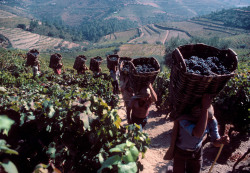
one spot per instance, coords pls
(32, 57)
(112, 63)
(55, 60)
(95, 63)
(79, 62)
(140, 80)
(186, 89)
(124, 65)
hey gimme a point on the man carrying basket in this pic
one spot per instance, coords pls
(188, 133)
(138, 108)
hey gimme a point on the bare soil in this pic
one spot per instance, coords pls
(159, 129)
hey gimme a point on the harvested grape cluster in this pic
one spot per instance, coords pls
(144, 68)
(113, 59)
(98, 58)
(125, 67)
(209, 66)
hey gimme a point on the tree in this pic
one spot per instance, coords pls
(22, 26)
(33, 25)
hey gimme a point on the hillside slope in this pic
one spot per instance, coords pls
(73, 12)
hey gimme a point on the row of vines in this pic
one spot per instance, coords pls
(62, 123)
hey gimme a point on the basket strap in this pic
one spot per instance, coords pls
(179, 59)
(232, 53)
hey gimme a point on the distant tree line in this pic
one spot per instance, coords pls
(239, 17)
(87, 30)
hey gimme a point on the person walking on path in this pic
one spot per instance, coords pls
(126, 90)
(187, 136)
(114, 73)
(138, 108)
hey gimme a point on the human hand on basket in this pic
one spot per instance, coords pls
(207, 100)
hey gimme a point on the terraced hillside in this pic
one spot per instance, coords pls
(150, 34)
(204, 28)
(141, 50)
(21, 39)
(117, 37)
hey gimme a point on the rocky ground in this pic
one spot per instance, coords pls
(159, 129)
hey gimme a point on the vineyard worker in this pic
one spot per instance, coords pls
(188, 134)
(32, 60)
(79, 64)
(82, 70)
(98, 73)
(114, 73)
(138, 108)
(126, 90)
(56, 63)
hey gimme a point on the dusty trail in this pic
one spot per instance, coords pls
(159, 130)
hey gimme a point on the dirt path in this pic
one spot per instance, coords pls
(163, 42)
(159, 130)
(142, 34)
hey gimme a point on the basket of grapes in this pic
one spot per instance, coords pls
(142, 72)
(95, 63)
(124, 65)
(199, 69)
(79, 62)
(112, 61)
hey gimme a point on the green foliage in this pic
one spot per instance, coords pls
(233, 17)
(233, 102)
(88, 30)
(68, 119)
(22, 26)
(161, 86)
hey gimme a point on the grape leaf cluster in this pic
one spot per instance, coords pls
(144, 68)
(208, 66)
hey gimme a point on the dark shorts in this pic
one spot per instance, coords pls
(139, 121)
(187, 161)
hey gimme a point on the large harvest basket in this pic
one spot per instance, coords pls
(124, 65)
(186, 89)
(79, 62)
(112, 61)
(95, 63)
(138, 80)
(55, 60)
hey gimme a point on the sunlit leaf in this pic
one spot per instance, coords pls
(41, 168)
(4, 148)
(114, 160)
(100, 157)
(51, 111)
(9, 166)
(2, 90)
(131, 167)
(5, 122)
(118, 122)
(85, 119)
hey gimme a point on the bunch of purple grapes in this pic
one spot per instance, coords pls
(144, 68)
(208, 66)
